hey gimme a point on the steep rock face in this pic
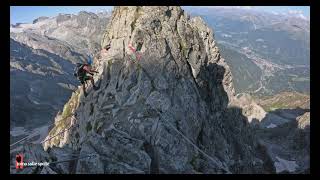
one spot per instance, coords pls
(171, 111)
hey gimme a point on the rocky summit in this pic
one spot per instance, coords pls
(166, 104)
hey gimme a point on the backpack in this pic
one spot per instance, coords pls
(78, 70)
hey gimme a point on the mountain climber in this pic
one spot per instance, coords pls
(82, 70)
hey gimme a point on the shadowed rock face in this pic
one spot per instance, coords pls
(40, 83)
(150, 115)
(283, 129)
(288, 144)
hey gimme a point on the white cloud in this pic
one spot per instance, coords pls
(246, 7)
(239, 7)
(227, 7)
(303, 17)
(296, 12)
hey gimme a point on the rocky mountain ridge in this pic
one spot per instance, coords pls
(169, 112)
(173, 110)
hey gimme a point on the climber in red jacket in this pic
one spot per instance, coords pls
(82, 71)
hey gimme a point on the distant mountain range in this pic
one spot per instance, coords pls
(42, 57)
(82, 31)
(268, 53)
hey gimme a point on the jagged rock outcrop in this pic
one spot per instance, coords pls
(250, 108)
(152, 115)
(285, 131)
(172, 111)
(288, 145)
(304, 121)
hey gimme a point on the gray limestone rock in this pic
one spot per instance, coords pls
(172, 108)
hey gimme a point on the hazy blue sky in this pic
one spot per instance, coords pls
(26, 14)
(305, 10)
